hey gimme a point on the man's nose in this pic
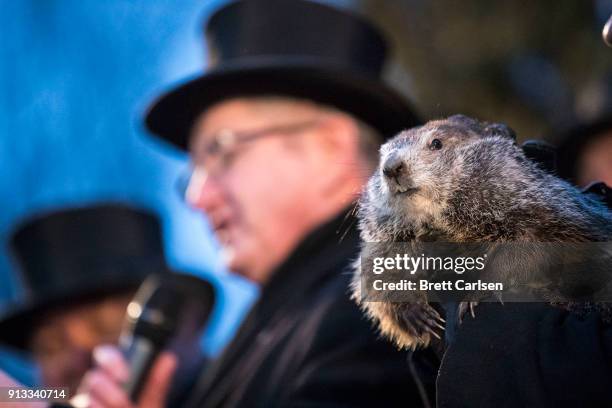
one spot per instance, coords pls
(203, 191)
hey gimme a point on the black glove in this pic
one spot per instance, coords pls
(544, 154)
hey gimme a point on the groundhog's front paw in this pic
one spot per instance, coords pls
(473, 301)
(420, 319)
(464, 307)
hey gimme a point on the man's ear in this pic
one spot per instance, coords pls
(339, 133)
(339, 140)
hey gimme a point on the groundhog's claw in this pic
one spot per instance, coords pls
(419, 319)
(464, 307)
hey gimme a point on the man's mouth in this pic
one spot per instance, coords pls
(221, 227)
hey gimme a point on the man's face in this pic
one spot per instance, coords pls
(262, 194)
(63, 341)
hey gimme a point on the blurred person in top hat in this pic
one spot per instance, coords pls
(283, 131)
(585, 153)
(80, 268)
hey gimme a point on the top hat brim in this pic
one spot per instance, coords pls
(17, 322)
(369, 99)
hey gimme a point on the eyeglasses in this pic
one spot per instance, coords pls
(216, 157)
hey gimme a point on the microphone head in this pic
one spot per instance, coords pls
(168, 305)
(607, 32)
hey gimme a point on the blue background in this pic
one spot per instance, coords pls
(75, 79)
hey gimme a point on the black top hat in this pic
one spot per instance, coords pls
(79, 254)
(287, 47)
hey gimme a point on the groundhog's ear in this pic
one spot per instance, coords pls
(499, 129)
(459, 118)
(466, 121)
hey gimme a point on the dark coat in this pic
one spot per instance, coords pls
(305, 343)
(527, 355)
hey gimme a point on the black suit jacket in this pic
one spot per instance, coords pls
(305, 343)
(527, 355)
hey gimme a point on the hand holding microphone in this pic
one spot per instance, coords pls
(162, 325)
(103, 386)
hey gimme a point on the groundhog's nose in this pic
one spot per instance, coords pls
(396, 173)
(393, 167)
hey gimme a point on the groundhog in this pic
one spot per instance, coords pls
(461, 180)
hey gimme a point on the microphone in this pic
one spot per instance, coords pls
(607, 32)
(168, 311)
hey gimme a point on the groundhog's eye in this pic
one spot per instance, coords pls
(435, 144)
